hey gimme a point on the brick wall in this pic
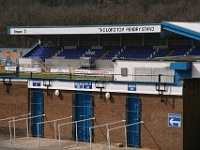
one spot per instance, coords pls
(13, 54)
(107, 111)
(155, 132)
(12, 104)
(56, 107)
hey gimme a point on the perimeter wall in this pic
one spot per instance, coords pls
(154, 133)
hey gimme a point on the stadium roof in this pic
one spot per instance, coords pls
(93, 29)
(188, 29)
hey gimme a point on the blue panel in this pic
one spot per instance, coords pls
(180, 65)
(36, 109)
(180, 30)
(21, 54)
(181, 74)
(133, 109)
(82, 110)
(182, 70)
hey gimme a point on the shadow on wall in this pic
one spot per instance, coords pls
(152, 137)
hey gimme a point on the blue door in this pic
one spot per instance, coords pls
(36, 109)
(133, 116)
(82, 105)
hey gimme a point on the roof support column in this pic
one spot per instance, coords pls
(167, 41)
(99, 40)
(58, 40)
(78, 40)
(143, 38)
(192, 42)
(39, 41)
(163, 34)
(120, 40)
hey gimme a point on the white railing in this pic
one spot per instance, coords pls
(26, 125)
(55, 129)
(15, 117)
(124, 126)
(107, 124)
(76, 129)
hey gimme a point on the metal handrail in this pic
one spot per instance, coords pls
(55, 129)
(107, 124)
(124, 126)
(26, 125)
(76, 129)
(13, 118)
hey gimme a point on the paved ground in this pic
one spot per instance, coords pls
(51, 144)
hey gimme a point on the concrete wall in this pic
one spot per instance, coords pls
(76, 63)
(63, 63)
(102, 64)
(144, 66)
(195, 69)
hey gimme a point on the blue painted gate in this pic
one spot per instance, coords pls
(36, 109)
(82, 105)
(133, 116)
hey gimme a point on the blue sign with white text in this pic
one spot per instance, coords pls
(36, 83)
(174, 120)
(81, 85)
(131, 87)
(78, 85)
(87, 85)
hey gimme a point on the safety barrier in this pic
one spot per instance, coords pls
(124, 126)
(55, 129)
(76, 128)
(107, 124)
(26, 125)
(13, 118)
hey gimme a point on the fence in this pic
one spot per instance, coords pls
(76, 129)
(107, 124)
(26, 125)
(124, 126)
(13, 118)
(55, 129)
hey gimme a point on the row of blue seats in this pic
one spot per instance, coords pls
(42, 52)
(119, 51)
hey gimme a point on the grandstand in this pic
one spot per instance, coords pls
(95, 47)
(154, 86)
(87, 57)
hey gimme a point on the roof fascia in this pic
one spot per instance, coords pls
(180, 30)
